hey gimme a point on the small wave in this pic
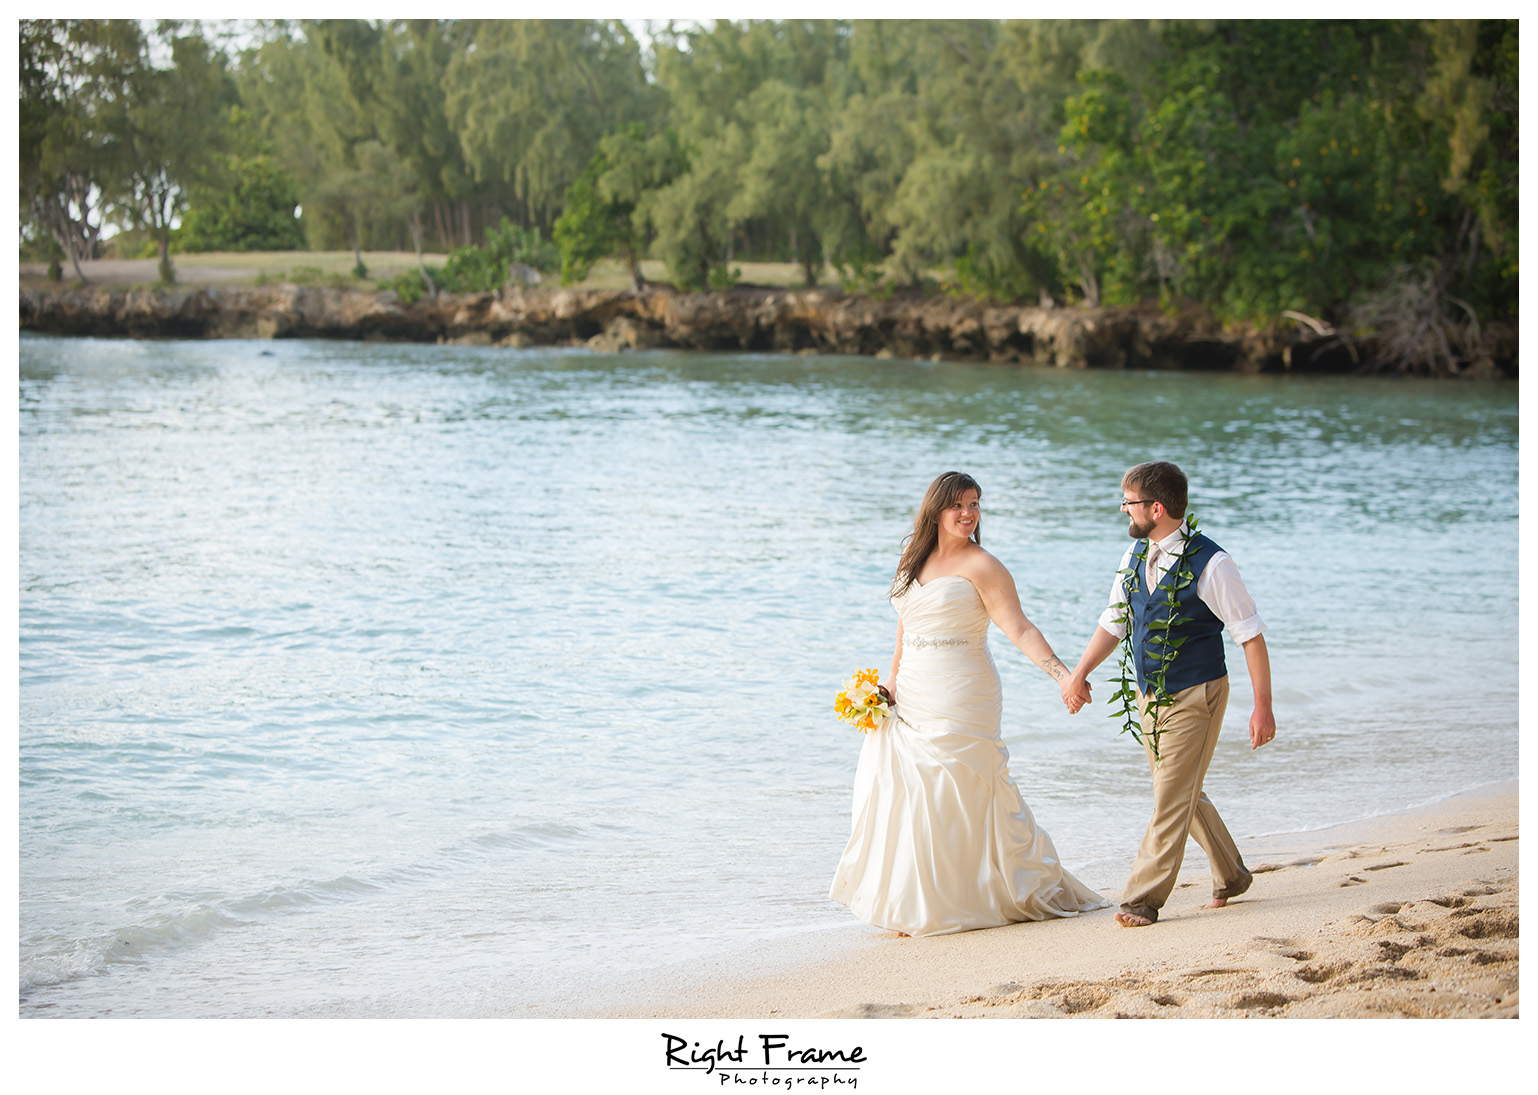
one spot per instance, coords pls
(137, 943)
(544, 835)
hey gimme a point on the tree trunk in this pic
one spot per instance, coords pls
(637, 279)
(357, 250)
(704, 265)
(167, 273)
(86, 235)
(55, 214)
(416, 239)
(68, 238)
(445, 237)
(464, 212)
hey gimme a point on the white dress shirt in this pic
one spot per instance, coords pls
(1220, 588)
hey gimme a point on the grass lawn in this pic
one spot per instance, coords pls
(334, 268)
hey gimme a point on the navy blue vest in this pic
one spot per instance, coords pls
(1199, 658)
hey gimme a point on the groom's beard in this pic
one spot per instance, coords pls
(1137, 531)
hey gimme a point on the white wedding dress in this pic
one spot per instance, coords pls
(942, 841)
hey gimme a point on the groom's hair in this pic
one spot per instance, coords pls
(1159, 481)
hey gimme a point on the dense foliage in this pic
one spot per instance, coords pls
(1351, 173)
(487, 267)
(250, 208)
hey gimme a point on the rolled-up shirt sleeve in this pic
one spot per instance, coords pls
(1222, 590)
(1115, 612)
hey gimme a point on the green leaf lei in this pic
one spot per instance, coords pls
(1158, 643)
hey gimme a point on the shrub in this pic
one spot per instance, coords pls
(254, 213)
(407, 285)
(485, 269)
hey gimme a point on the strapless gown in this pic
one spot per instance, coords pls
(942, 841)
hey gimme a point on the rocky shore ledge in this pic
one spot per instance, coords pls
(820, 321)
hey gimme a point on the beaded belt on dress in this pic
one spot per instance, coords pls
(922, 641)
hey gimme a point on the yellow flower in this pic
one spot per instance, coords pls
(861, 702)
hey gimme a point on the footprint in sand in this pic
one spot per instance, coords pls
(1487, 924)
(1315, 975)
(1384, 866)
(1306, 861)
(1475, 955)
(874, 1011)
(1391, 951)
(1353, 880)
(1371, 925)
(1282, 948)
(1384, 973)
(1079, 998)
(1449, 902)
(1252, 1001)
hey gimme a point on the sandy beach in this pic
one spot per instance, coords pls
(1413, 915)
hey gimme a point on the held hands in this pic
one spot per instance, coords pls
(1075, 693)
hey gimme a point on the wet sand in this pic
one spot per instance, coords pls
(1412, 915)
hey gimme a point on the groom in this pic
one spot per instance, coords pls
(1154, 499)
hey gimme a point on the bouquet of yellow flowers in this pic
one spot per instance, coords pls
(863, 701)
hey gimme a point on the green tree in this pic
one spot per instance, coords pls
(605, 210)
(1471, 98)
(530, 99)
(751, 103)
(162, 134)
(247, 201)
(486, 268)
(781, 180)
(691, 213)
(69, 69)
(1242, 180)
(414, 120)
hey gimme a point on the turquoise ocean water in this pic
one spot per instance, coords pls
(384, 680)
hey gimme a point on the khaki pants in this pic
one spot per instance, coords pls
(1188, 734)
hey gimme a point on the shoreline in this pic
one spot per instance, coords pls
(744, 319)
(1407, 914)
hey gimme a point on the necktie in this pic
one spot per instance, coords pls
(1152, 562)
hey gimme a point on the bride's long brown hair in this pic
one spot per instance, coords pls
(920, 544)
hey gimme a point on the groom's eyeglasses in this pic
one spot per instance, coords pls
(1138, 502)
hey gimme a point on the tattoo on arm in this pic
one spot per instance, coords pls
(1055, 668)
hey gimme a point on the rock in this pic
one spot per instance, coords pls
(519, 274)
(784, 320)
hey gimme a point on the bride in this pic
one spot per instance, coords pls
(942, 841)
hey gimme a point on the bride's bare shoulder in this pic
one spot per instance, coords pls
(983, 568)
